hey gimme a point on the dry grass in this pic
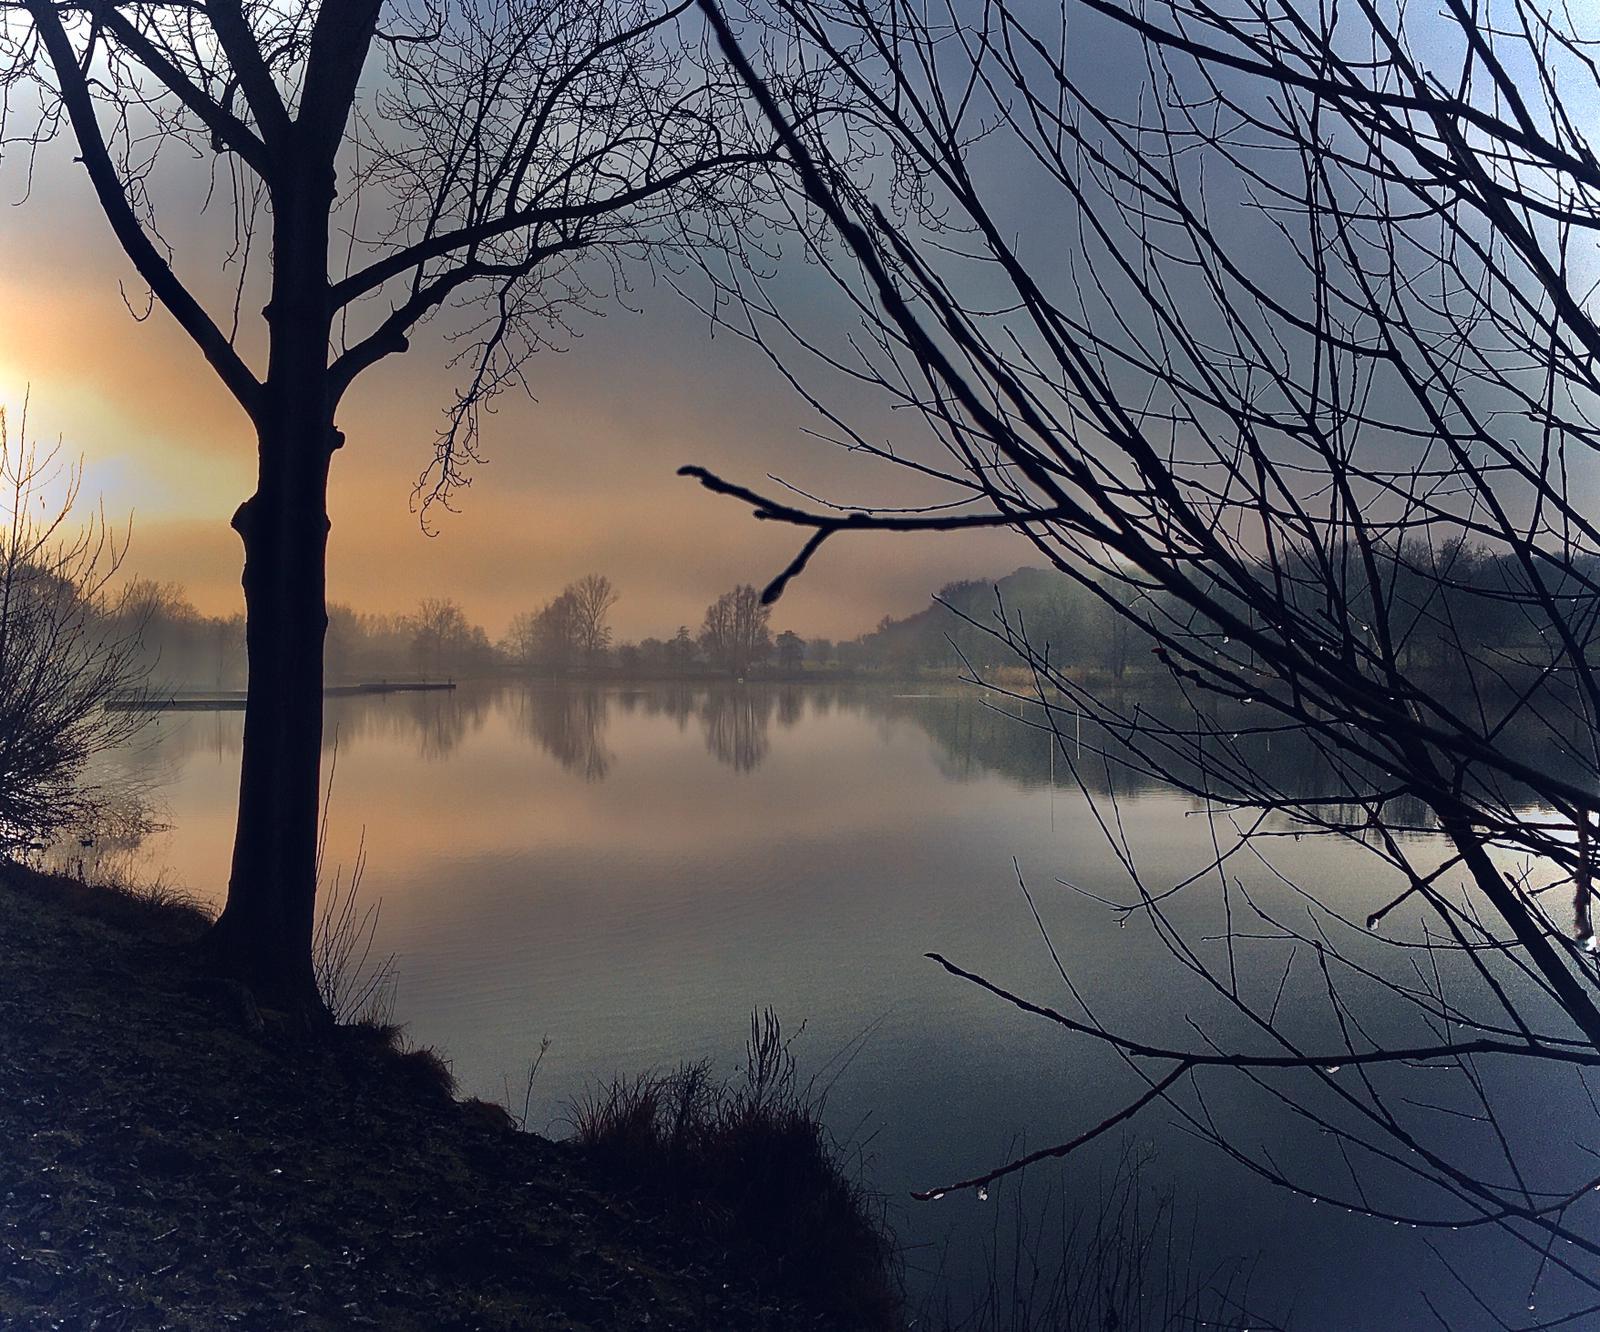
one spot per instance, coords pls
(752, 1161)
(1119, 1258)
(171, 1168)
(111, 889)
(356, 983)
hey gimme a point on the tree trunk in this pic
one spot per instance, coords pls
(264, 935)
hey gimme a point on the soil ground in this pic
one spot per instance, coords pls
(173, 1159)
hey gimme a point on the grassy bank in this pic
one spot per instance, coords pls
(177, 1159)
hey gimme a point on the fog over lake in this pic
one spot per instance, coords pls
(630, 870)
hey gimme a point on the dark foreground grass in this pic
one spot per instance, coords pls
(751, 1163)
(1109, 1254)
(174, 1158)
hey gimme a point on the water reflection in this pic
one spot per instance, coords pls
(676, 701)
(441, 727)
(975, 733)
(735, 723)
(569, 725)
(631, 868)
(791, 706)
(568, 722)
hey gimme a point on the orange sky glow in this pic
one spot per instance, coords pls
(580, 480)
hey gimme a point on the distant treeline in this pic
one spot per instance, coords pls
(1460, 618)
(1441, 613)
(569, 636)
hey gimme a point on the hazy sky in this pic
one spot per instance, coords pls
(582, 480)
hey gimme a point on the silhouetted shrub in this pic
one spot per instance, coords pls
(356, 985)
(66, 648)
(751, 1161)
(427, 1071)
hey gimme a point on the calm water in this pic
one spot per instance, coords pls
(630, 871)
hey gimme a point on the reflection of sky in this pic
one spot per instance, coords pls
(635, 920)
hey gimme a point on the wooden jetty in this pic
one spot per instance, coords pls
(232, 700)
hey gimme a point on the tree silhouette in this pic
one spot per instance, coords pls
(521, 643)
(440, 634)
(555, 633)
(682, 649)
(495, 145)
(790, 649)
(67, 646)
(566, 629)
(734, 635)
(593, 596)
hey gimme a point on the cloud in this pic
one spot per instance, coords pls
(582, 479)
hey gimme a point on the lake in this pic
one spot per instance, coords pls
(630, 870)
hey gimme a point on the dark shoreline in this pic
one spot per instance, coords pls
(177, 1160)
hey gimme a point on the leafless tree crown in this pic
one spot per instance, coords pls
(1272, 328)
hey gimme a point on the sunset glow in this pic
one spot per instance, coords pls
(582, 478)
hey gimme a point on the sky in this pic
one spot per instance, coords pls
(581, 480)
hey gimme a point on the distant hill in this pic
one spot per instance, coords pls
(968, 620)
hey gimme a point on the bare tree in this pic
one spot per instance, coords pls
(554, 633)
(735, 635)
(1286, 354)
(387, 162)
(593, 596)
(440, 635)
(521, 643)
(67, 647)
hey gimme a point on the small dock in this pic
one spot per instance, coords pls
(233, 700)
